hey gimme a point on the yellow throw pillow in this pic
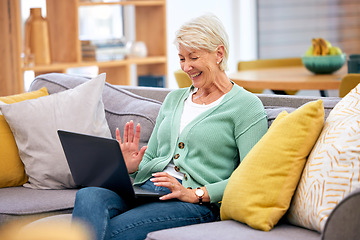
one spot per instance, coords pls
(259, 191)
(333, 169)
(12, 171)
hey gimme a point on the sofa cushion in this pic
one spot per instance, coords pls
(34, 124)
(120, 105)
(12, 172)
(229, 230)
(31, 201)
(260, 189)
(20, 202)
(333, 168)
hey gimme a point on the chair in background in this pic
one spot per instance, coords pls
(348, 82)
(269, 63)
(183, 80)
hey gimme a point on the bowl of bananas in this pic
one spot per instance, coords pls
(323, 58)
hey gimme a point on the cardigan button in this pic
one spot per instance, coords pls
(177, 168)
(185, 177)
(177, 156)
(181, 145)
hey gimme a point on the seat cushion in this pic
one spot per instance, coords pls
(229, 230)
(17, 202)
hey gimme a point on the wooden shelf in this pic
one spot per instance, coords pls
(124, 3)
(65, 45)
(59, 67)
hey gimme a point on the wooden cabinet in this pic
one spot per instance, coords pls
(65, 45)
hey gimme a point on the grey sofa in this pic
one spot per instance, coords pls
(141, 104)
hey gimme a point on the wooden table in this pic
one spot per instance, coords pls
(288, 78)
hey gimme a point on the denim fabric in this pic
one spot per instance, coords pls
(111, 217)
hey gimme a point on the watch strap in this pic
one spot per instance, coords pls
(200, 197)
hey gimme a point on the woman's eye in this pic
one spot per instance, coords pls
(182, 59)
(194, 58)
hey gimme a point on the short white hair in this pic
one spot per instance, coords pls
(205, 32)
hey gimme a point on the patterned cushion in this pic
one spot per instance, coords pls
(333, 167)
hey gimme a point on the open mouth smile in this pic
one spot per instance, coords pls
(195, 75)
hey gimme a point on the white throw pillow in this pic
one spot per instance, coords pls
(333, 167)
(34, 124)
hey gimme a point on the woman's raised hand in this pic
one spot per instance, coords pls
(130, 146)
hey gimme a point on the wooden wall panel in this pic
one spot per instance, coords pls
(10, 48)
(286, 27)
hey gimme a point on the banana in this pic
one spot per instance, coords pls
(323, 46)
(320, 47)
(316, 47)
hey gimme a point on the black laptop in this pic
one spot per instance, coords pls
(98, 162)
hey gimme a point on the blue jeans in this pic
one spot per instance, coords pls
(111, 217)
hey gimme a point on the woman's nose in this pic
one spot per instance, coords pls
(186, 66)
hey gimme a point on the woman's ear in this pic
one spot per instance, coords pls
(220, 50)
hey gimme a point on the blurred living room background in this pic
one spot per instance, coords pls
(257, 29)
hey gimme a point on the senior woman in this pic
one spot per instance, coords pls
(201, 135)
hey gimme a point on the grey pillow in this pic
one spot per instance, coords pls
(34, 124)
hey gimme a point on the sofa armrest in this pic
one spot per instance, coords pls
(343, 222)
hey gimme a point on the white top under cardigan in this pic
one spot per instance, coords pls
(190, 112)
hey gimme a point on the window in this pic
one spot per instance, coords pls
(101, 22)
(286, 27)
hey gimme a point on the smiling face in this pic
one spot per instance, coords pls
(200, 65)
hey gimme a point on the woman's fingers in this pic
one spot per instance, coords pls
(129, 132)
(130, 146)
(178, 191)
(165, 180)
(162, 174)
(117, 133)
(137, 133)
(126, 132)
(142, 151)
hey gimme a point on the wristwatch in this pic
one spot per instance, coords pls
(200, 194)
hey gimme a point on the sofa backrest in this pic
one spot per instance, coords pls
(142, 104)
(120, 105)
(273, 104)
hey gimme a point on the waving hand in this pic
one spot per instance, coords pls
(130, 146)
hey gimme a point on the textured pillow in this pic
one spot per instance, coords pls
(333, 167)
(12, 171)
(259, 191)
(35, 124)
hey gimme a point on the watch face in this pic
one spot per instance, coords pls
(199, 192)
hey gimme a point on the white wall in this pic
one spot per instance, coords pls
(238, 17)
